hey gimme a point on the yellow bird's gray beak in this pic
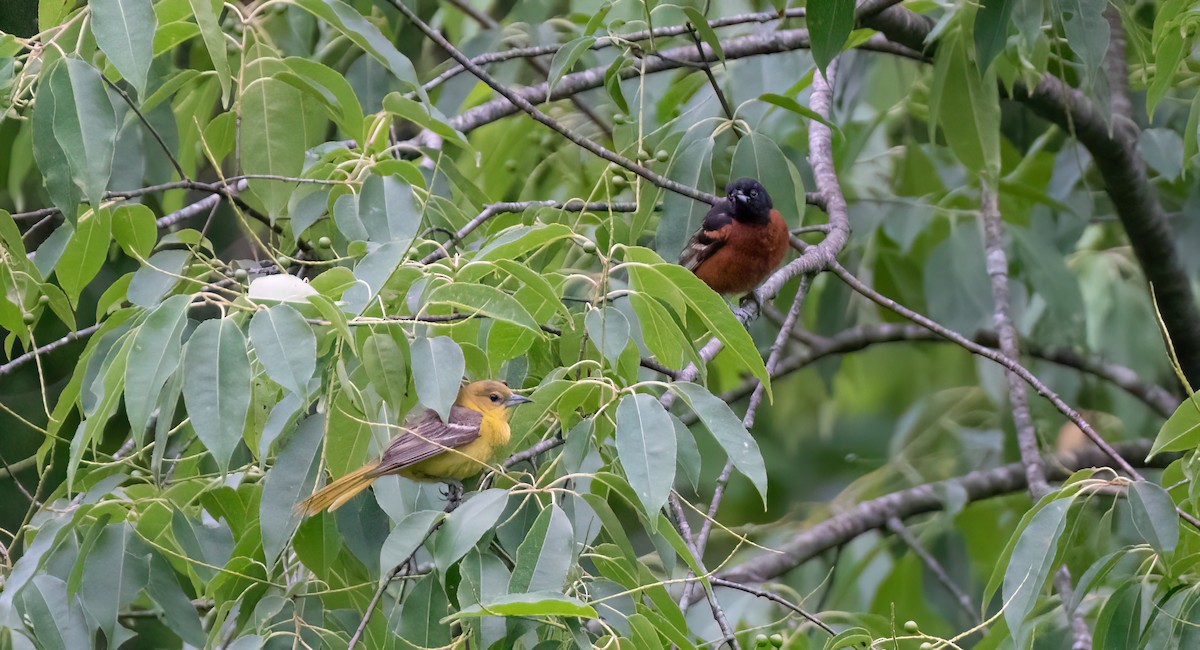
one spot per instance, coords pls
(516, 400)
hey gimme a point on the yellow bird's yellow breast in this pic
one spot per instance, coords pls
(467, 460)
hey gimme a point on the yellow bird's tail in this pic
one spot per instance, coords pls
(340, 491)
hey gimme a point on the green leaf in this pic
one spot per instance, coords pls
(829, 25)
(1163, 151)
(426, 116)
(286, 347)
(647, 455)
(727, 428)
(124, 30)
(406, 538)
(48, 153)
(719, 320)
(1033, 559)
(134, 229)
(967, 106)
(1154, 515)
(612, 83)
(85, 125)
(387, 209)
(565, 58)
(660, 332)
(1181, 432)
(705, 31)
(85, 254)
(157, 277)
(420, 623)
(289, 480)
(1119, 625)
(545, 558)
(1087, 31)
(464, 527)
(691, 165)
(115, 571)
(179, 613)
(609, 330)
(992, 20)
(214, 40)
(57, 620)
(438, 365)
(216, 386)
(546, 603)
(854, 637)
(518, 241)
(386, 368)
(372, 272)
(271, 139)
(789, 104)
(332, 88)
(365, 35)
(153, 359)
(688, 460)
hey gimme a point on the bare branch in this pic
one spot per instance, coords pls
(929, 497)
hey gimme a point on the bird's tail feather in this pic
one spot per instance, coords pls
(340, 491)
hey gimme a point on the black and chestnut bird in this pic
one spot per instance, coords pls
(742, 240)
(432, 450)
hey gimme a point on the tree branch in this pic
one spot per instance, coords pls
(525, 105)
(1115, 154)
(928, 497)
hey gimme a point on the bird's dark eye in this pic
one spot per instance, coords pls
(754, 193)
(495, 397)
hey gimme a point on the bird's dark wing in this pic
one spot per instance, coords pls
(710, 238)
(427, 435)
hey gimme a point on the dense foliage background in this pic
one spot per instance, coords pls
(838, 469)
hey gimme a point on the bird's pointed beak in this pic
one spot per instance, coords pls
(516, 400)
(739, 197)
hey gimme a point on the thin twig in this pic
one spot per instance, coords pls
(49, 347)
(537, 114)
(896, 525)
(770, 595)
(150, 127)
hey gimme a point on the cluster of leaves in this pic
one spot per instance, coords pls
(214, 393)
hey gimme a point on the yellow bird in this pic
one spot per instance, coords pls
(433, 450)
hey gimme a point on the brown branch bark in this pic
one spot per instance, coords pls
(929, 497)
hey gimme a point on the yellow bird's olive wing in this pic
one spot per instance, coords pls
(427, 436)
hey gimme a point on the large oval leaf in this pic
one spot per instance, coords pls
(216, 386)
(646, 447)
(124, 29)
(438, 365)
(286, 346)
(153, 359)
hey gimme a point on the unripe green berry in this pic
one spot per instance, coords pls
(324, 242)
(28, 318)
(643, 154)
(761, 641)
(588, 247)
(284, 260)
(777, 640)
(619, 118)
(926, 646)
(661, 155)
(241, 275)
(510, 165)
(619, 181)
(911, 627)
(43, 299)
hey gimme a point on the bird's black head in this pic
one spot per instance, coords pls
(750, 201)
